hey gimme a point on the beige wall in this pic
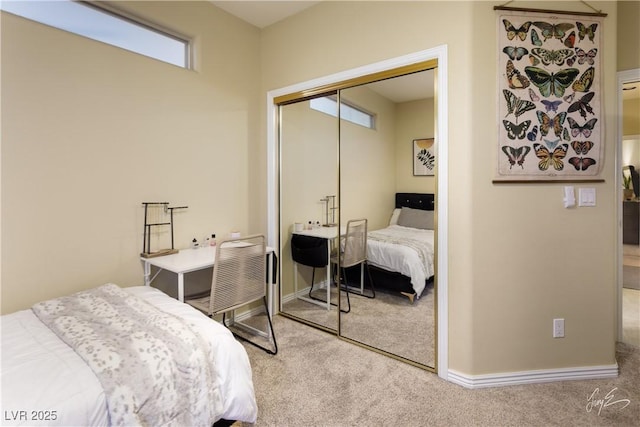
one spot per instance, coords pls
(413, 124)
(631, 116)
(516, 256)
(367, 167)
(90, 131)
(631, 132)
(628, 35)
(628, 59)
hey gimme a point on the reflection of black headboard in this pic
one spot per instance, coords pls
(424, 201)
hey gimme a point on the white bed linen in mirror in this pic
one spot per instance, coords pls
(403, 259)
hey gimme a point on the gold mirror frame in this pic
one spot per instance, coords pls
(314, 92)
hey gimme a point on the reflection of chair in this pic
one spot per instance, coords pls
(353, 251)
(238, 279)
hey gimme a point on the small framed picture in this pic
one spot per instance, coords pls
(424, 159)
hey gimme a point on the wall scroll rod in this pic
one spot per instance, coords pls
(549, 11)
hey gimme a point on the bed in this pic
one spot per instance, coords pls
(46, 382)
(401, 256)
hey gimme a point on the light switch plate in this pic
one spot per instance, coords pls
(569, 197)
(586, 197)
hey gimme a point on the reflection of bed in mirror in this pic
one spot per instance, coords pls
(401, 256)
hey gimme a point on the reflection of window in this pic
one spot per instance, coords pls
(348, 112)
(104, 26)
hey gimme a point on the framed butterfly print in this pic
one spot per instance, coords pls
(550, 118)
(424, 159)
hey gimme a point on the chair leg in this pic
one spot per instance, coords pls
(313, 274)
(373, 289)
(344, 271)
(321, 300)
(273, 335)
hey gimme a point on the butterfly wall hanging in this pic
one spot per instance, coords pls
(550, 99)
(557, 57)
(516, 155)
(585, 130)
(552, 158)
(583, 105)
(515, 79)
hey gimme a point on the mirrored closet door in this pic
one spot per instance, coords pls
(334, 171)
(308, 202)
(376, 165)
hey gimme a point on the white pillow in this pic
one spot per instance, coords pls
(394, 216)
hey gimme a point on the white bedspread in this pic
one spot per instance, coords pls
(44, 382)
(403, 258)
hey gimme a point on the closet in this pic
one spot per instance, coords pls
(329, 170)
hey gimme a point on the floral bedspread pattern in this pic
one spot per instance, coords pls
(155, 370)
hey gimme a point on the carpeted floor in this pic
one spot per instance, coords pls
(319, 380)
(389, 321)
(631, 277)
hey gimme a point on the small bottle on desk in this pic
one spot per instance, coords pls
(212, 241)
(195, 244)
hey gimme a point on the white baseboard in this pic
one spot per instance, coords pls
(249, 313)
(532, 377)
(303, 292)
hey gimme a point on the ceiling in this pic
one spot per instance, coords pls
(406, 88)
(263, 13)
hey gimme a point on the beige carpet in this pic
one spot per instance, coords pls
(319, 380)
(631, 316)
(389, 321)
(631, 277)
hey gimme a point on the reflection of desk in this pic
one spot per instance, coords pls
(188, 260)
(330, 234)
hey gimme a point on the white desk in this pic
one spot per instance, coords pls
(330, 234)
(188, 260)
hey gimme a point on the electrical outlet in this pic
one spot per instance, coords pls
(558, 328)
